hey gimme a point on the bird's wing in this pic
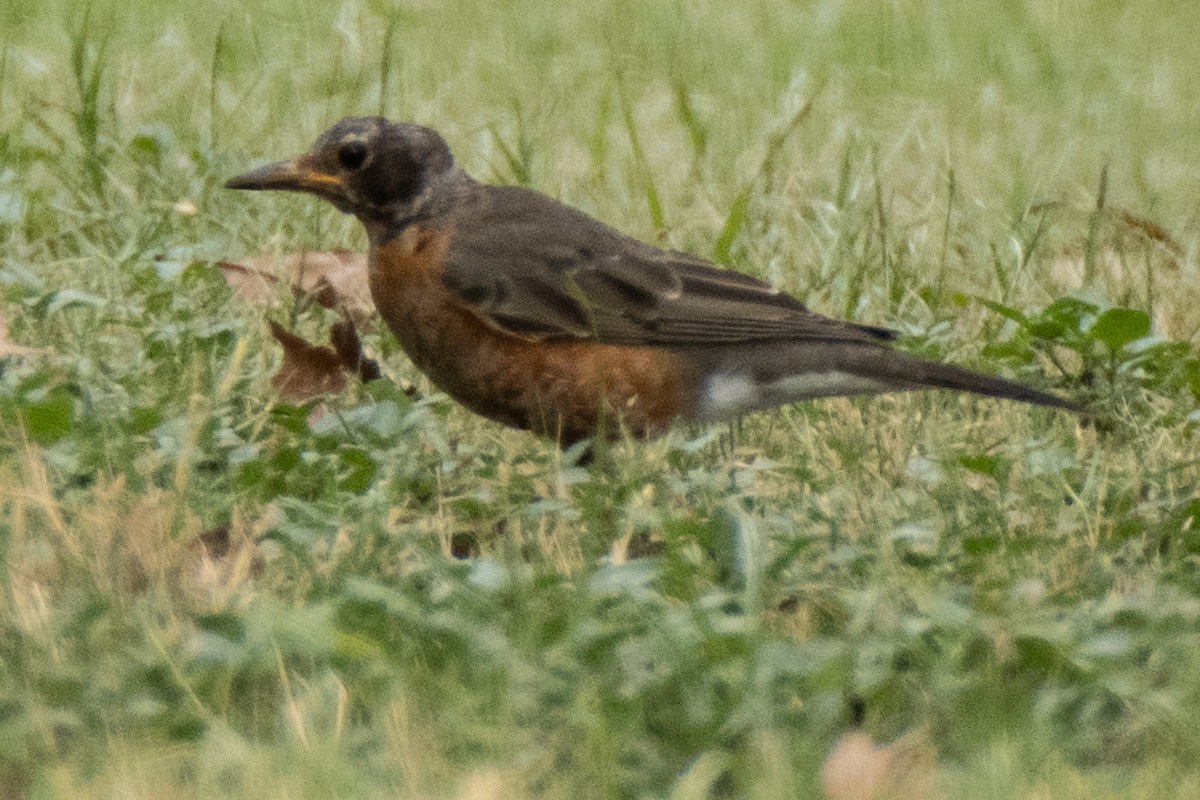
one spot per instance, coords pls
(544, 271)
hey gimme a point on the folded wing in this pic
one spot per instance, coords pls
(590, 282)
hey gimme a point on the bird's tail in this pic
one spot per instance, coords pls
(911, 372)
(749, 378)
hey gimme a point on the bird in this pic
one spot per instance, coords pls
(534, 314)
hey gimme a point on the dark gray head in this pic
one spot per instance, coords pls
(367, 166)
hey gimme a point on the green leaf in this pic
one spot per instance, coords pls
(1117, 327)
(992, 465)
(1037, 653)
(151, 141)
(1005, 311)
(302, 524)
(144, 419)
(978, 545)
(1062, 318)
(359, 471)
(50, 418)
(225, 624)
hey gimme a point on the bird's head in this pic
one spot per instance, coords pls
(378, 170)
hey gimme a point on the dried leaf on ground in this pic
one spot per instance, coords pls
(250, 284)
(336, 279)
(858, 769)
(308, 370)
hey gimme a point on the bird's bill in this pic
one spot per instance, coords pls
(297, 175)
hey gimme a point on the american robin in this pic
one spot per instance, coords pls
(534, 314)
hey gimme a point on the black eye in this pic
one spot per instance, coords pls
(352, 154)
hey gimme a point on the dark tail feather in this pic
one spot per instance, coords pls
(910, 372)
(740, 379)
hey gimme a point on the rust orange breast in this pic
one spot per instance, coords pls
(568, 390)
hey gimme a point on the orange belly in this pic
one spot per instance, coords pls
(567, 390)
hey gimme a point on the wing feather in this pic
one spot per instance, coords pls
(542, 270)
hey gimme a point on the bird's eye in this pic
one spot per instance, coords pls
(351, 155)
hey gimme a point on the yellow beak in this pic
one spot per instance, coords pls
(296, 175)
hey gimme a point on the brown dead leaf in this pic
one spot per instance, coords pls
(7, 348)
(308, 370)
(335, 280)
(1125, 243)
(858, 769)
(1150, 231)
(249, 284)
(338, 279)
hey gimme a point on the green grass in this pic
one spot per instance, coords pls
(206, 596)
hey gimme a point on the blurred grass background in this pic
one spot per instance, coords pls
(205, 595)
